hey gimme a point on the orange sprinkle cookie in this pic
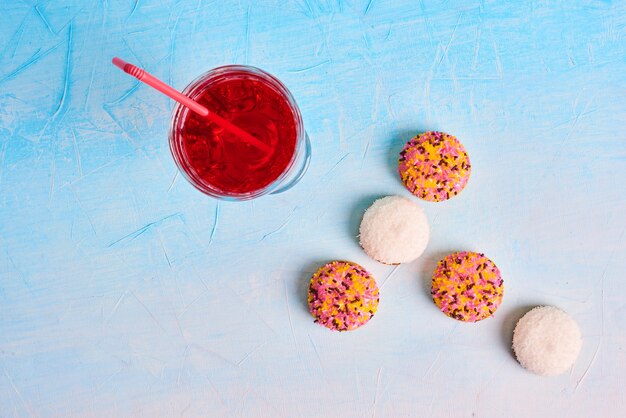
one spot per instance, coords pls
(434, 166)
(467, 286)
(342, 296)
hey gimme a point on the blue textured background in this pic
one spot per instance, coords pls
(125, 292)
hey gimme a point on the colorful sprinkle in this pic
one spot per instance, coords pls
(342, 296)
(467, 286)
(434, 166)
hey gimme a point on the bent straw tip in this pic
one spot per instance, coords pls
(131, 69)
(118, 62)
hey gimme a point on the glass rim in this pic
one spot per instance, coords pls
(180, 113)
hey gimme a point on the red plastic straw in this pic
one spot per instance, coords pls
(154, 82)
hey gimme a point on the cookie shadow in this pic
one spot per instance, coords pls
(399, 138)
(305, 278)
(429, 263)
(508, 325)
(356, 214)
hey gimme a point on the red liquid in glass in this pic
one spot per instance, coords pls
(223, 160)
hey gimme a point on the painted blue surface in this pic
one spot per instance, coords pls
(125, 292)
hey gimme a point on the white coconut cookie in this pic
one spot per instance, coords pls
(547, 341)
(394, 230)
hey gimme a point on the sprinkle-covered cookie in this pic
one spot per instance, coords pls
(342, 296)
(434, 166)
(467, 286)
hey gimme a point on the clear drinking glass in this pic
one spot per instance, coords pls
(203, 85)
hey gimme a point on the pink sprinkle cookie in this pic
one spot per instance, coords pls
(467, 286)
(342, 296)
(434, 166)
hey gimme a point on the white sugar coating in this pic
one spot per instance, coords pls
(394, 230)
(547, 341)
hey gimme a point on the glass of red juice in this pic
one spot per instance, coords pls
(220, 163)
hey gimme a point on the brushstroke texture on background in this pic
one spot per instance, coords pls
(125, 292)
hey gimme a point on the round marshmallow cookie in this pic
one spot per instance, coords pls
(434, 166)
(467, 286)
(547, 341)
(342, 296)
(394, 230)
